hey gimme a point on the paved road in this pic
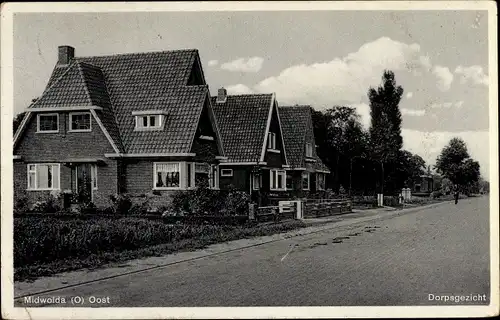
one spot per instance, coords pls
(396, 261)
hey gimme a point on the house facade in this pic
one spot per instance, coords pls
(424, 185)
(128, 123)
(306, 173)
(253, 143)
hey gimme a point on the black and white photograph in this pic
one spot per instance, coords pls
(249, 160)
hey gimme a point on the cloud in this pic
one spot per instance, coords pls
(474, 74)
(413, 112)
(444, 77)
(238, 89)
(344, 79)
(429, 145)
(409, 95)
(253, 64)
(447, 105)
(364, 112)
(212, 63)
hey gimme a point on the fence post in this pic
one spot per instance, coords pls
(298, 210)
(251, 211)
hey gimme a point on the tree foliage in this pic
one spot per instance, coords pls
(386, 141)
(340, 137)
(455, 163)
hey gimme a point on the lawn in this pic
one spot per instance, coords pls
(45, 246)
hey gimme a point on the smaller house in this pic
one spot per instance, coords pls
(252, 140)
(425, 184)
(306, 173)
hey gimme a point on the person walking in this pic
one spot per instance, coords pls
(456, 194)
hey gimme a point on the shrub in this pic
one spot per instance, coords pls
(436, 194)
(205, 201)
(49, 205)
(21, 204)
(121, 203)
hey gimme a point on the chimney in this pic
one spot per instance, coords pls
(221, 95)
(66, 53)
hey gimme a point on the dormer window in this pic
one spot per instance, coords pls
(309, 150)
(148, 120)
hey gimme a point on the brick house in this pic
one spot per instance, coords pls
(128, 123)
(253, 143)
(306, 173)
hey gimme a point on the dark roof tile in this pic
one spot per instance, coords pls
(242, 121)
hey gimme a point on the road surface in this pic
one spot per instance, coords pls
(404, 260)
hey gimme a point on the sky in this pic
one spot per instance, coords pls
(319, 58)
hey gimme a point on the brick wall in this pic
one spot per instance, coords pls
(36, 147)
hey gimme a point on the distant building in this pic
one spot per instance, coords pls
(425, 184)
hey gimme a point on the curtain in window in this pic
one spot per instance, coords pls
(167, 175)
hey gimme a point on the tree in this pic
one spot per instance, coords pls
(339, 136)
(385, 130)
(411, 167)
(17, 121)
(455, 164)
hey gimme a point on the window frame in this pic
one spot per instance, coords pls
(273, 176)
(46, 115)
(309, 150)
(256, 177)
(318, 185)
(71, 114)
(93, 176)
(289, 175)
(140, 118)
(271, 141)
(308, 174)
(35, 187)
(213, 177)
(230, 174)
(155, 175)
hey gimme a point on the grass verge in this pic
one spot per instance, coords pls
(90, 245)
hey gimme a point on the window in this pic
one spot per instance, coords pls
(214, 177)
(167, 175)
(271, 141)
(43, 176)
(277, 179)
(305, 180)
(48, 123)
(80, 122)
(226, 172)
(148, 122)
(207, 175)
(256, 181)
(320, 181)
(93, 173)
(309, 150)
(289, 181)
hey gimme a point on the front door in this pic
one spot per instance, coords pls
(84, 181)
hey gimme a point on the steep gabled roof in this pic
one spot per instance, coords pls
(242, 121)
(297, 125)
(121, 84)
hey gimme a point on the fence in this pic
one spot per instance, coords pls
(285, 210)
(326, 208)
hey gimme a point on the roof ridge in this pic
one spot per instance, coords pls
(297, 106)
(138, 53)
